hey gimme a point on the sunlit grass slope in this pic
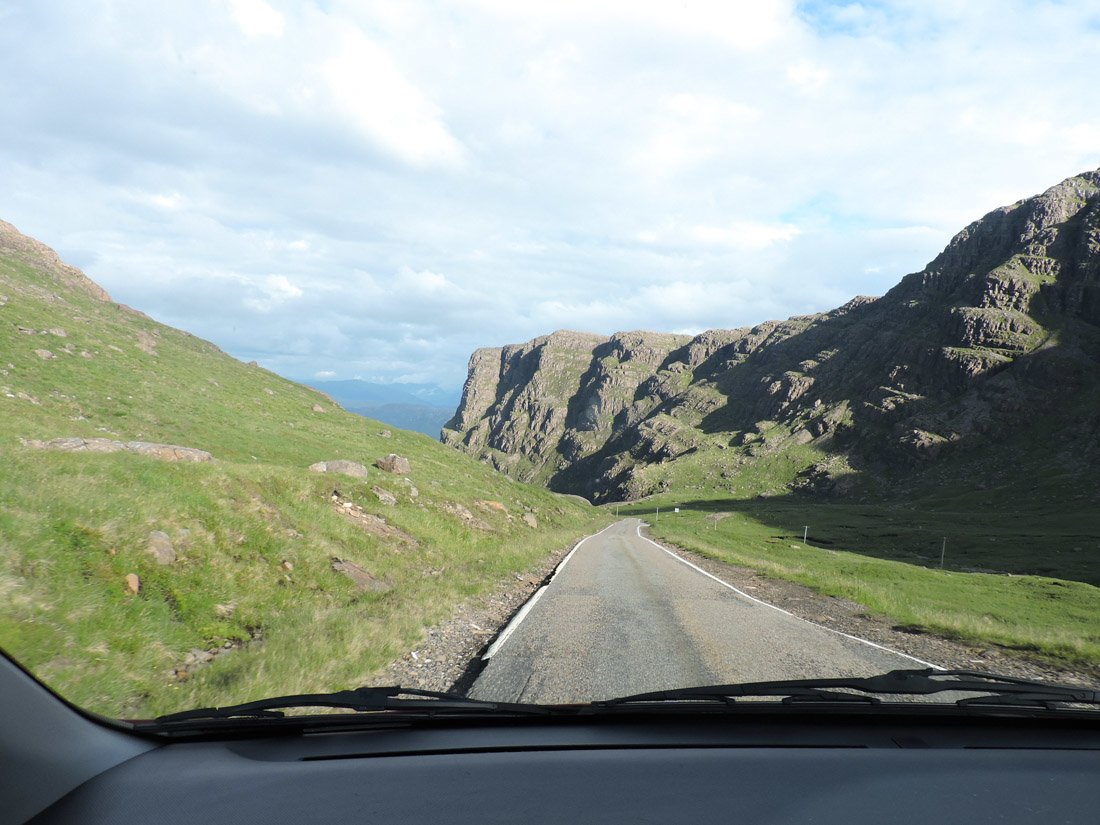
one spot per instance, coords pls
(254, 531)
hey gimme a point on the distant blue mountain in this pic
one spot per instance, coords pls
(424, 408)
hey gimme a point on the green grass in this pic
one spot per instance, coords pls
(254, 530)
(886, 558)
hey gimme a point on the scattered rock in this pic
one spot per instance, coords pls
(147, 342)
(286, 565)
(318, 408)
(164, 452)
(26, 330)
(197, 656)
(253, 364)
(44, 354)
(482, 504)
(530, 520)
(385, 496)
(3, 301)
(225, 611)
(339, 465)
(359, 575)
(133, 583)
(394, 464)
(269, 391)
(468, 518)
(372, 524)
(113, 347)
(57, 332)
(413, 492)
(386, 434)
(160, 548)
(85, 354)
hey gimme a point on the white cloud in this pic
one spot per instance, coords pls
(324, 374)
(165, 200)
(273, 291)
(387, 186)
(746, 235)
(371, 92)
(255, 18)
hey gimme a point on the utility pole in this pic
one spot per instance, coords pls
(805, 533)
(943, 551)
(658, 514)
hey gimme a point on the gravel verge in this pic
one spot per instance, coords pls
(449, 656)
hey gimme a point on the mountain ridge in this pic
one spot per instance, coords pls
(1000, 327)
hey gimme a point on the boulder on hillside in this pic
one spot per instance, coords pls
(384, 496)
(160, 548)
(393, 463)
(342, 466)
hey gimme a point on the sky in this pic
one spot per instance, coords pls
(374, 190)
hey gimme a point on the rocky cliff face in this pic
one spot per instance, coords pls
(999, 330)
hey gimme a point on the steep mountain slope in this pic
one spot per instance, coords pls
(137, 582)
(981, 367)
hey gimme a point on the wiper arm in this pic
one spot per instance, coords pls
(361, 699)
(999, 690)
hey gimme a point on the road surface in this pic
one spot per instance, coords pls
(623, 615)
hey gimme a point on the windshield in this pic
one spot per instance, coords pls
(546, 353)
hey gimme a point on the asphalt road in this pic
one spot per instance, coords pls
(623, 616)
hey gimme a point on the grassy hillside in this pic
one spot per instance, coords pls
(254, 532)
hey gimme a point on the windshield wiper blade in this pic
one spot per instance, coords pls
(363, 699)
(997, 690)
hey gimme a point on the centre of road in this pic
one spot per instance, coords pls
(621, 614)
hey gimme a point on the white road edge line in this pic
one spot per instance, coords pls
(523, 611)
(638, 530)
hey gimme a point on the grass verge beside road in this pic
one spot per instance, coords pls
(1053, 618)
(255, 546)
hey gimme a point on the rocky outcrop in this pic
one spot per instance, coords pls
(341, 466)
(1001, 327)
(512, 411)
(40, 257)
(163, 452)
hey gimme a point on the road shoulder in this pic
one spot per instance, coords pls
(854, 619)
